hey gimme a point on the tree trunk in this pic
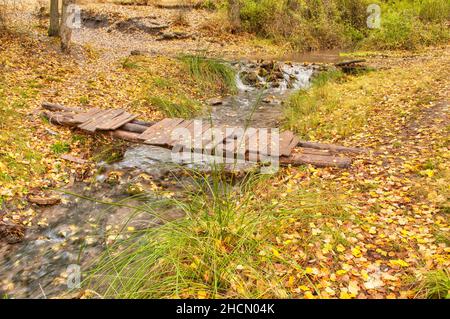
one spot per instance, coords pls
(66, 25)
(234, 14)
(53, 30)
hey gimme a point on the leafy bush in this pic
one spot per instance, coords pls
(315, 24)
(406, 29)
(435, 11)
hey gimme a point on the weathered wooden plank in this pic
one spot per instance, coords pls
(238, 141)
(198, 136)
(116, 122)
(89, 124)
(213, 137)
(285, 143)
(293, 144)
(100, 119)
(153, 129)
(163, 135)
(332, 147)
(187, 140)
(261, 146)
(317, 160)
(86, 116)
(175, 140)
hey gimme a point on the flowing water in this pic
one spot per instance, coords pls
(76, 231)
(261, 89)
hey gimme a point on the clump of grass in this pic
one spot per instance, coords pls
(162, 83)
(435, 285)
(222, 247)
(313, 25)
(128, 63)
(60, 147)
(84, 100)
(183, 107)
(211, 72)
(323, 78)
(306, 110)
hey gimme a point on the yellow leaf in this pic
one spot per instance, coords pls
(275, 252)
(202, 294)
(345, 295)
(399, 262)
(428, 172)
(304, 288)
(309, 295)
(356, 252)
(291, 281)
(353, 287)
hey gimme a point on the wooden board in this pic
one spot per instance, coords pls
(186, 124)
(198, 137)
(152, 130)
(185, 141)
(115, 123)
(287, 143)
(255, 148)
(86, 116)
(317, 160)
(100, 119)
(215, 139)
(238, 141)
(163, 135)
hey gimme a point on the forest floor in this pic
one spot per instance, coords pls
(388, 228)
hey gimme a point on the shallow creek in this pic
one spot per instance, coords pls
(76, 231)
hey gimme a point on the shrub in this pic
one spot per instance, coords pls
(315, 24)
(435, 11)
(404, 30)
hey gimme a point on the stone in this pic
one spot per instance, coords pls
(215, 101)
(138, 52)
(250, 78)
(268, 65)
(270, 100)
(11, 233)
(44, 201)
(172, 36)
(73, 159)
(262, 72)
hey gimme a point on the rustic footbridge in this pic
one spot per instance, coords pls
(124, 125)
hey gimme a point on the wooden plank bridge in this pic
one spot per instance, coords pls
(201, 136)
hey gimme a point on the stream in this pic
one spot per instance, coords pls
(76, 231)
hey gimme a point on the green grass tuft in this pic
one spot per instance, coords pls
(435, 285)
(324, 77)
(183, 107)
(60, 147)
(211, 72)
(128, 63)
(222, 248)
